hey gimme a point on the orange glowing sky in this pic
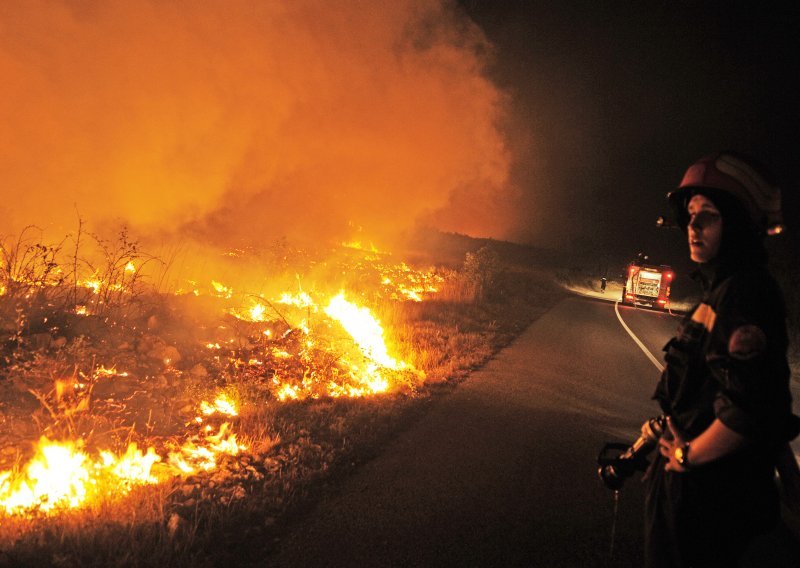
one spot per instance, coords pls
(246, 120)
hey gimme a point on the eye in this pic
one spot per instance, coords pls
(703, 218)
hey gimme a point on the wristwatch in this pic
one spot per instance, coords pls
(682, 456)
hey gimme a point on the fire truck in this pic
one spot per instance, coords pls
(647, 285)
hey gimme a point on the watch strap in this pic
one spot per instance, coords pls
(682, 456)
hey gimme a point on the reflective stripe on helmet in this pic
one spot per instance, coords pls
(764, 196)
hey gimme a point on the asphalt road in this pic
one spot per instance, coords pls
(502, 471)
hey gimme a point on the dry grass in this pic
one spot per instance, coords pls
(294, 449)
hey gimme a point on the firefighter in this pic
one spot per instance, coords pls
(725, 387)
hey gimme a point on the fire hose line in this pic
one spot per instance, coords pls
(614, 527)
(650, 356)
(660, 368)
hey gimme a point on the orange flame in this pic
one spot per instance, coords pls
(222, 404)
(61, 476)
(365, 330)
(194, 457)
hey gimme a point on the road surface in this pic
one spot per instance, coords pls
(501, 472)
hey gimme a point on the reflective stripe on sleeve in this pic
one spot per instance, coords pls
(705, 315)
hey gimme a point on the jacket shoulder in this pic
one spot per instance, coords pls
(752, 294)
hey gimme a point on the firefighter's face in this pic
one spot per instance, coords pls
(704, 229)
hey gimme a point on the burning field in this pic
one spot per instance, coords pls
(175, 415)
(217, 333)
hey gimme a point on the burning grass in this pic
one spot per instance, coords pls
(177, 426)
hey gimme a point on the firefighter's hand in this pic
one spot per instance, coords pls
(668, 445)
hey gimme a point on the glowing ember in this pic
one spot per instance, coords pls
(101, 371)
(222, 404)
(93, 284)
(287, 392)
(372, 382)
(411, 294)
(133, 466)
(258, 313)
(358, 245)
(202, 456)
(299, 300)
(401, 282)
(222, 290)
(281, 354)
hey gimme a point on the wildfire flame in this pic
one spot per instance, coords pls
(110, 289)
(94, 284)
(299, 300)
(287, 391)
(202, 456)
(222, 404)
(306, 362)
(222, 290)
(258, 313)
(133, 466)
(364, 328)
(62, 476)
(56, 476)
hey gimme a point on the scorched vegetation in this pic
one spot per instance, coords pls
(155, 419)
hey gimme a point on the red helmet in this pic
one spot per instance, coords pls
(744, 181)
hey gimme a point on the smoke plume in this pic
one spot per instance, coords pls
(239, 121)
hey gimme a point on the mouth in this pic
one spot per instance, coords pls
(696, 243)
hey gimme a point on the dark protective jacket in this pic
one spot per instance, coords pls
(727, 361)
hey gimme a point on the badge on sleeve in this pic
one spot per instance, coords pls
(746, 342)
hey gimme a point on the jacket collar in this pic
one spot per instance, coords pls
(710, 274)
